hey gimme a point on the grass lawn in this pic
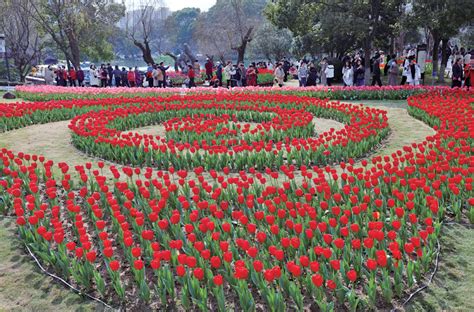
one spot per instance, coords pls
(23, 287)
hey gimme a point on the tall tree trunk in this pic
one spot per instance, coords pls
(444, 60)
(75, 56)
(189, 53)
(175, 59)
(243, 45)
(435, 55)
(146, 51)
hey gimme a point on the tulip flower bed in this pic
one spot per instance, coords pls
(46, 93)
(285, 134)
(214, 240)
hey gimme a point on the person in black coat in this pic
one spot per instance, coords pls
(376, 71)
(457, 74)
(312, 76)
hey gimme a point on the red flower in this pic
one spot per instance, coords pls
(218, 280)
(371, 264)
(331, 284)
(351, 275)
(138, 264)
(241, 273)
(91, 256)
(317, 280)
(155, 264)
(114, 265)
(258, 265)
(215, 262)
(198, 273)
(180, 270)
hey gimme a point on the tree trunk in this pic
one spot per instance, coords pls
(175, 59)
(189, 53)
(435, 55)
(243, 46)
(146, 51)
(444, 60)
(74, 48)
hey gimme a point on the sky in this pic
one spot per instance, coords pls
(176, 5)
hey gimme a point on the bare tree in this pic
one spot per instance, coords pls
(22, 38)
(75, 27)
(229, 26)
(142, 22)
(244, 29)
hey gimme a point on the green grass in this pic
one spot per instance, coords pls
(23, 287)
(453, 286)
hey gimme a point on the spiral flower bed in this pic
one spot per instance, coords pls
(205, 238)
(284, 135)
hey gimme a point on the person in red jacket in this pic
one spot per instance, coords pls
(209, 68)
(191, 76)
(469, 74)
(131, 77)
(72, 77)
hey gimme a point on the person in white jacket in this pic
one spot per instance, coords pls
(329, 71)
(414, 73)
(279, 74)
(348, 74)
(94, 79)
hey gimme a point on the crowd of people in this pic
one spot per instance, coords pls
(308, 73)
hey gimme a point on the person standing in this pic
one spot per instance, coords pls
(348, 74)
(72, 77)
(110, 74)
(242, 82)
(323, 64)
(131, 77)
(49, 75)
(103, 76)
(279, 74)
(414, 73)
(329, 74)
(138, 77)
(80, 77)
(209, 68)
(149, 75)
(405, 66)
(376, 71)
(302, 74)
(124, 77)
(252, 76)
(228, 69)
(157, 77)
(163, 69)
(93, 76)
(219, 69)
(469, 73)
(197, 68)
(191, 76)
(457, 74)
(392, 71)
(65, 76)
(359, 74)
(118, 76)
(312, 76)
(286, 68)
